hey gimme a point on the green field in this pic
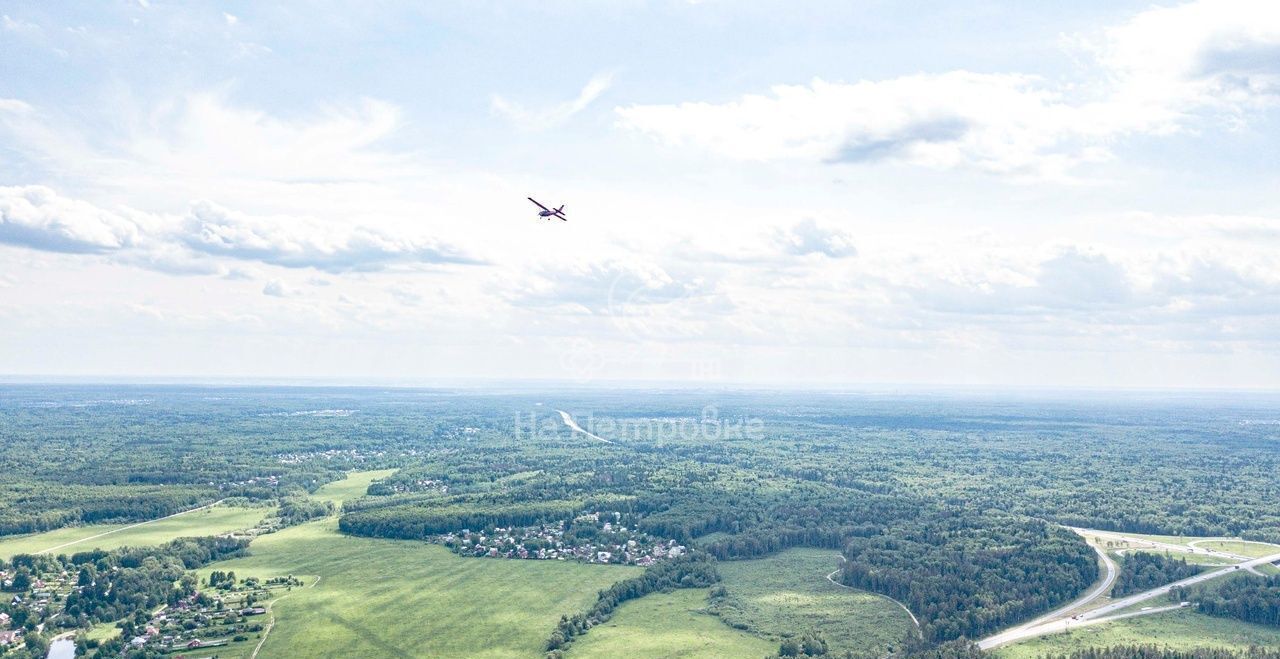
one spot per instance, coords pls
(789, 593)
(668, 625)
(394, 598)
(1179, 629)
(354, 485)
(210, 521)
(767, 600)
(1241, 547)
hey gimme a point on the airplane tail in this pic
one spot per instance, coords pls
(560, 209)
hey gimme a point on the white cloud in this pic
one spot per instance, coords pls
(231, 19)
(998, 123)
(277, 288)
(1158, 72)
(1223, 54)
(38, 218)
(555, 115)
(19, 26)
(808, 237)
(304, 243)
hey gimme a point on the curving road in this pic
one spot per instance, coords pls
(1111, 611)
(1021, 631)
(831, 578)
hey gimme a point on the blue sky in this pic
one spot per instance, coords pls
(1004, 193)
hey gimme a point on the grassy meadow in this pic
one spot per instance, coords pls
(1241, 547)
(1180, 629)
(210, 521)
(669, 625)
(354, 485)
(370, 597)
(790, 593)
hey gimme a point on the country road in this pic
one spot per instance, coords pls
(830, 577)
(573, 425)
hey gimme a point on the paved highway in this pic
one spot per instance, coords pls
(1110, 611)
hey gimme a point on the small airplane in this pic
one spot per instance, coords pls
(549, 212)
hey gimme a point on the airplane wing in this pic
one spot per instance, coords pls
(535, 203)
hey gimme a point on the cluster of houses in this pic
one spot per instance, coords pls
(43, 591)
(206, 621)
(611, 543)
(330, 455)
(416, 486)
(8, 636)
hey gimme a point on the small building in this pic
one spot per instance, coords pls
(8, 638)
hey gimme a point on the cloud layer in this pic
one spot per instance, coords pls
(1155, 74)
(38, 218)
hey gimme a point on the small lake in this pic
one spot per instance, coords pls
(63, 648)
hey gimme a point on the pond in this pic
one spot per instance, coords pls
(63, 648)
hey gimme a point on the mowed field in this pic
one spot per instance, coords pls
(353, 486)
(669, 625)
(767, 599)
(1241, 547)
(371, 597)
(209, 521)
(1181, 629)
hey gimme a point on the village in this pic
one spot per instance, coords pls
(590, 538)
(223, 613)
(227, 611)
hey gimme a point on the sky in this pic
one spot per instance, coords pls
(784, 193)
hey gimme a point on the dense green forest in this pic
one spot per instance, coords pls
(966, 574)
(1141, 571)
(1243, 597)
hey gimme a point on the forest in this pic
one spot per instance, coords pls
(951, 505)
(1250, 599)
(1141, 571)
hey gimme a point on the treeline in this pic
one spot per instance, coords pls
(967, 574)
(1141, 571)
(33, 508)
(1165, 652)
(692, 570)
(1247, 598)
(417, 522)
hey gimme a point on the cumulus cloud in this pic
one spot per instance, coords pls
(1157, 72)
(1220, 53)
(302, 243)
(604, 286)
(38, 218)
(537, 119)
(999, 123)
(808, 237)
(276, 288)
